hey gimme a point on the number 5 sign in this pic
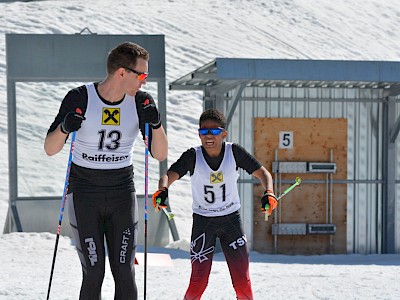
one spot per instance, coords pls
(286, 140)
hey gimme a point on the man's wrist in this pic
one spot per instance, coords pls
(63, 129)
(157, 125)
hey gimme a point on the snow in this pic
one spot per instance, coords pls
(196, 32)
(26, 261)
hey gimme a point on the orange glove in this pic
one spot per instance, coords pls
(159, 198)
(268, 202)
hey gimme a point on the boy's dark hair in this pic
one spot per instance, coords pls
(125, 55)
(215, 115)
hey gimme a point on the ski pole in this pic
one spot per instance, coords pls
(169, 215)
(146, 185)
(61, 210)
(298, 181)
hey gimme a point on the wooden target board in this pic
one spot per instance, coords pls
(302, 140)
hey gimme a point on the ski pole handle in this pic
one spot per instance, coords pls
(298, 181)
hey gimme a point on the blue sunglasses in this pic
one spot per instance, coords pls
(213, 131)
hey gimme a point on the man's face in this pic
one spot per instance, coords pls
(133, 81)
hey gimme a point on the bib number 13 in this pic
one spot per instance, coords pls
(111, 140)
(209, 193)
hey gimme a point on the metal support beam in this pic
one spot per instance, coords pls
(389, 173)
(224, 87)
(12, 158)
(235, 101)
(163, 166)
(394, 131)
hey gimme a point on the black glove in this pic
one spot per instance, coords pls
(72, 122)
(151, 115)
(269, 200)
(160, 197)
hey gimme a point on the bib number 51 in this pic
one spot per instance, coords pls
(209, 193)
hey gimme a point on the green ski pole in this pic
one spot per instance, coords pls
(169, 215)
(298, 181)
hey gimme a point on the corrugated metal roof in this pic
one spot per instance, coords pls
(225, 72)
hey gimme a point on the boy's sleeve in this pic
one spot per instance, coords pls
(185, 163)
(244, 159)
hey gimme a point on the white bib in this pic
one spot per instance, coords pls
(105, 139)
(215, 193)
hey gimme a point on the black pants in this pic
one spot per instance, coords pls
(234, 246)
(112, 215)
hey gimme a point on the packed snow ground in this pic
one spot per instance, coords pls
(26, 260)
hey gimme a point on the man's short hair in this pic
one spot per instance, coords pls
(125, 55)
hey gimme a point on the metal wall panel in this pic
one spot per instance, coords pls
(397, 209)
(364, 111)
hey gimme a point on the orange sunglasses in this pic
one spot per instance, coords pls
(140, 75)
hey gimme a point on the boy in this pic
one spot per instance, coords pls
(213, 169)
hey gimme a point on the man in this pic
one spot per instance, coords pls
(213, 169)
(101, 200)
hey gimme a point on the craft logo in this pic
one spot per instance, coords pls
(216, 177)
(124, 245)
(110, 116)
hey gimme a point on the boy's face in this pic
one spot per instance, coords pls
(212, 143)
